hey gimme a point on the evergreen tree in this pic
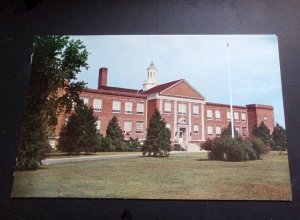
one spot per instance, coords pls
(114, 135)
(80, 133)
(158, 137)
(279, 137)
(55, 61)
(227, 132)
(262, 132)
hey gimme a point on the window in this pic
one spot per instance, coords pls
(236, 116)
(168, 125)
(218, 130)
(209, 130)
(85, 100)
(116, 107)
(98, 124)
(181, 108)
(244, 131)
(237, 129)
(243, 116)
(140, 108)
(196, 129)
(97, 105)
(128, 107)
(217, 114)
(195, 109)
(139, 127)
(167, 107)
(209, 114)
(127, 127)
(228, 115)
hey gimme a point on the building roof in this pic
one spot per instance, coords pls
(224, 105)
(259, 106)
(161, 87)
(117, 91)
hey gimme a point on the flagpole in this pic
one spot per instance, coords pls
(230, 92)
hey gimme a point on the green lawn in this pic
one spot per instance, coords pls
(180, 176)
(83, 154)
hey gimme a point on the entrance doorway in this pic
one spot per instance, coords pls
(181, 135)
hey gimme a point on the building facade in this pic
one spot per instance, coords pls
(190, 118)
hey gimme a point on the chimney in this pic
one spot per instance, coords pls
(102, 80)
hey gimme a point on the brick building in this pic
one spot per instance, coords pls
(185, 110)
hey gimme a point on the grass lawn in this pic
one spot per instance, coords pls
(83, 154)
(180, 176)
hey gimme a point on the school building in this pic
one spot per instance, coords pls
(189, 116)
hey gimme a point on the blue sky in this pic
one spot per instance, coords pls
(200, 59)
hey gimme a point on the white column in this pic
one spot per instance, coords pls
(175, 119)
(202, 121)
(190, 121)
(160, 106)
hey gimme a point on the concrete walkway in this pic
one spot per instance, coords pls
(87, 158)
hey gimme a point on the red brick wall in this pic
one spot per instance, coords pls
(259, 113)
(223, 122)
(106, 114)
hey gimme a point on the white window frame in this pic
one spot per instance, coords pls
(85, 100)
(209, 114)
(196, 129)
(218, 114)
(97, 108)
(228, 115)
(237, 129)
(244, 129)
(127, 127)
(140, 106)
(209, 130)
(167, 107)
(196, 110)
(243, 116)
(115, 105)
(218, 130)
(236, 116)
(128, 107)
(139, 127)
(168, 125)
(182, 108)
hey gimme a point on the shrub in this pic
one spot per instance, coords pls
(259, 147)
(226, 148)
(132, 144)
(208, 144)
(177, 147)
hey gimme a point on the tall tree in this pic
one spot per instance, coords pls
(80, 133)
(158, 137)
(56, 60)
(114, 135)
(262, 132)
(227, 132)
(279, 137)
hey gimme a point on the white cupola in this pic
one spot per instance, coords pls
(151, 81)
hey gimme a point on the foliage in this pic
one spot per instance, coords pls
(114, 135)
(226, 148)
(177, 147)
(262, 132)
(132, 144)
(279, 138)
(80, 133)
(56, 60)
(259, 147)
(158, 137)
(227, 132)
